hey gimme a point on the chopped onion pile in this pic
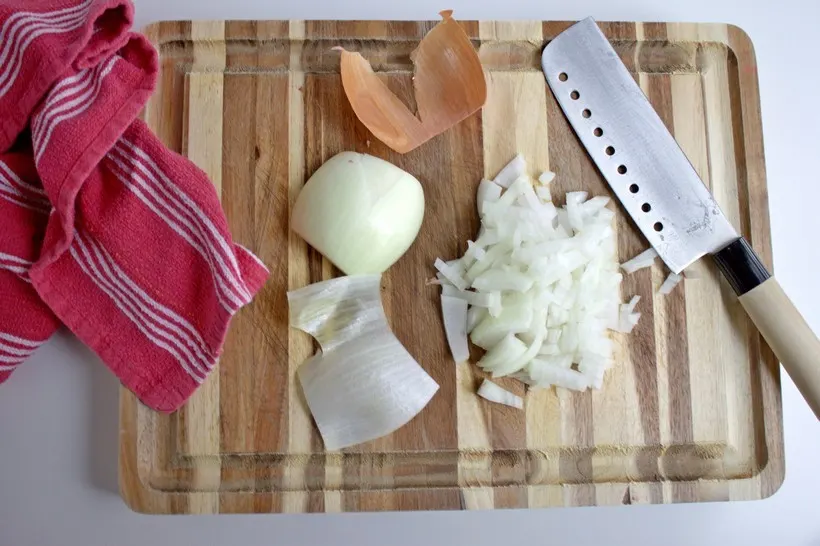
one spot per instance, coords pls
(541, 284)
(363, 384)
(493, 393)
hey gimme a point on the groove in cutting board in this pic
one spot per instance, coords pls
(691, 411)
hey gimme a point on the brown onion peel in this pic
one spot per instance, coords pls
(449, 86)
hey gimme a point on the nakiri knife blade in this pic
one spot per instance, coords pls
(663, 194)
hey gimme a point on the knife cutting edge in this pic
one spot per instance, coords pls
(662, 192)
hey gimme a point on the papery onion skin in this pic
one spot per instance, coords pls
(449, 86)
(360, 212)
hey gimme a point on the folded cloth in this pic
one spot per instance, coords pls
(25, 321)
(137, 259)
(40, 39)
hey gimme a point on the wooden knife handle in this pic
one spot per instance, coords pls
(778, 320)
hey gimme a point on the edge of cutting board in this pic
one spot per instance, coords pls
(141, 497)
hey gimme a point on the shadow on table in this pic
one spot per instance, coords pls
(103, 419)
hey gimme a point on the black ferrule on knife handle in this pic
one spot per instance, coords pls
(741, 266)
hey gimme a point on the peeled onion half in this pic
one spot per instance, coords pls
(360, 212)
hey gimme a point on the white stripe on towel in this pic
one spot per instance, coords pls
(187, 205)
(14, 350)
(22, 28)
(15, 265)
(184, 220)
(70, 109)
(159, 324)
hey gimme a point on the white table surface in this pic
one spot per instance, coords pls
(58, 414)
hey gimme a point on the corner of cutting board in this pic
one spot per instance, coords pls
(773, 473)
(741, 45)
(134, 491)
(152, 32)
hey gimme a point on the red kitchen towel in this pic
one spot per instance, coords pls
(25, 321)
(137, 259)
(40, 39)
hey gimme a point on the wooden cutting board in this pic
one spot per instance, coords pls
(690, 412)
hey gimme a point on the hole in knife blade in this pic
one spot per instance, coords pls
(575, 95)
(658, 226)
(634, 188)
(563, 76)
(598, 132)
(610, 150)
(646, 207)
(586, 113)
(622, 169)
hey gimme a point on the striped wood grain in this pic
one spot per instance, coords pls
(691, 411)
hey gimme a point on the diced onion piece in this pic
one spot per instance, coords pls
(496, 253)
(594, 205)
(548, 372)
(546, 177)
(575, 214)
(474, 316)
(513, 170)
(551, 349)
(486, 238)
(488, 192)
(644, 259)
(457, 265)
(524, 377)
(487, 300)
(448, 289)
(577, 197)
(493, 393)
(475, 251)
(543, 193)
(595, 378)
(363, 384)
(519, 363)
(495, 280)
(669, 283)
(452, 274)
(454, 311)
(627, 320)
(442, 280)
(529, 199)
(509, 349)
(514, 318)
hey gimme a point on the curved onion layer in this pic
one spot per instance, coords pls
(363, 384)
(449, 86)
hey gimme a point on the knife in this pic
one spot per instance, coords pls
(662, 192)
